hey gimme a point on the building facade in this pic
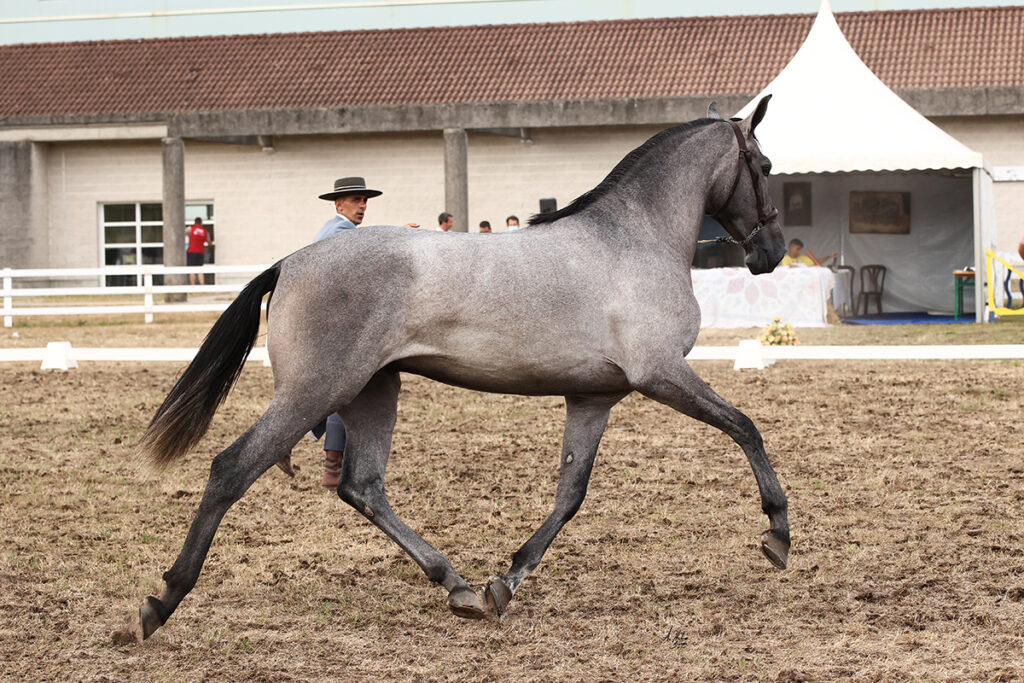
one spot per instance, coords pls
(103, 143)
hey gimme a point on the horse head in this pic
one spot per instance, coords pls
(746, 211)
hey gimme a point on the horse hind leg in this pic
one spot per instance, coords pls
(369, 423)
(685, 391)
(585, 421)
(232, 472)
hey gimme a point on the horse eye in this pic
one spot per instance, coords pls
(766, 169)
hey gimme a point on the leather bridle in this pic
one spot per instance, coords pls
(745, 159)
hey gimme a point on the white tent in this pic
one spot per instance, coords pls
(830, 114)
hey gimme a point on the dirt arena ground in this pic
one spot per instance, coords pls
(905, 482)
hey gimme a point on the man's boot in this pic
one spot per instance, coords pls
(332, 469)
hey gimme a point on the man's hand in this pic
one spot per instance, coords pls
(411, 225)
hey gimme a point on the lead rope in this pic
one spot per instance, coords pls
(725, 239)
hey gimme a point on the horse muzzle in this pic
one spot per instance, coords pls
(759, 260)
(757, 263)
(763, 254)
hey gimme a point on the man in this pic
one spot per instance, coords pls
(349, 196)
(795, 258)
(512, 223)
(198, 239)
(445, 221)
(485, 226)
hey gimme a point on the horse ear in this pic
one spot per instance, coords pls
(762, 107)
(713, 111)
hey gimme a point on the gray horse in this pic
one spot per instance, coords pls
(591, 302)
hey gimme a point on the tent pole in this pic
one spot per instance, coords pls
(980, 277)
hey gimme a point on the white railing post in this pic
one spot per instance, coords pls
(147, 288)
(8, 301)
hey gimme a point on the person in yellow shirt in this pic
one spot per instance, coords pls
(796, 258)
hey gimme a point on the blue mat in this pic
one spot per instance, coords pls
(912, 318)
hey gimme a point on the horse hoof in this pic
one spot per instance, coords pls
(497, 595)
(464, 603)
(285, 464)
(149, 616)
(775, 548)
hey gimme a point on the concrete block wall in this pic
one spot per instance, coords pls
(80, 177)
(1000, 139)
(266, 204)
(508, 175)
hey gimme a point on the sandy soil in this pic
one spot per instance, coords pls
(906, 486)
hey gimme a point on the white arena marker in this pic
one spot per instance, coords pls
(749, 355)
(58, 356)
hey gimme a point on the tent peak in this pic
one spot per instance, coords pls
(832, 114)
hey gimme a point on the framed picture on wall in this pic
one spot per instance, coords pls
(886, 213)
(796, 201)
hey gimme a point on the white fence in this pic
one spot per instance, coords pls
(749, 354)
(145, 292)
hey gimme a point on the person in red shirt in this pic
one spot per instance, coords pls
(198, 238)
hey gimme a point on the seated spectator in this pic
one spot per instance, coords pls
(796, 258)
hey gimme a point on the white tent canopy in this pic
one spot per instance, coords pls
(831, 114)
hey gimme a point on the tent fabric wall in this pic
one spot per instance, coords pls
(919, 264)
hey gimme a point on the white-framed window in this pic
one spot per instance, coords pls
(133, 233)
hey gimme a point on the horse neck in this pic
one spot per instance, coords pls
(663, 202)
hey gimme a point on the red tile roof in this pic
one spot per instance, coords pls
(971, 47)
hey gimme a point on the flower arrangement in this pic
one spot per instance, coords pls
(778, 334)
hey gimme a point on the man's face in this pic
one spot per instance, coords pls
(512, 224)
(447, 225)
(794, 250)
(352, 207)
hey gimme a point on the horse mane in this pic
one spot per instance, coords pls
(628, 163)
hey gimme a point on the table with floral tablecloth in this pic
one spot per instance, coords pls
(733, 297)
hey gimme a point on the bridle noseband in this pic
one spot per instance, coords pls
(745, 159)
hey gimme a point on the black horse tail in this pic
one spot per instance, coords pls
(186, 413)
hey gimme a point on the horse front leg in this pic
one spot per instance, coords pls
(681, 388)
(369, 423)
(232, 472)
(585, 420)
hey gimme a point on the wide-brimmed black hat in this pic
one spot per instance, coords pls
(353, 185)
